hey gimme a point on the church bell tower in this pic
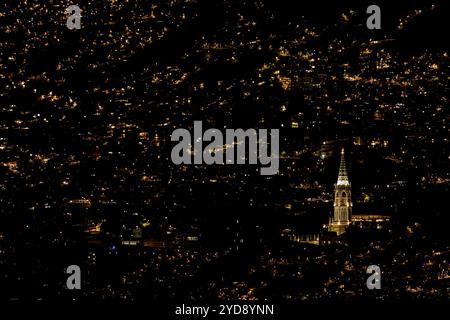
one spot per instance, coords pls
(342, 216)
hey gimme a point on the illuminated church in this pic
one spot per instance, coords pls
(342, 216)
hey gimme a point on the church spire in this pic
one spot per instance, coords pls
(343, 176)
(342, 216)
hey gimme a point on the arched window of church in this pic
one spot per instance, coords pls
(343, 198)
